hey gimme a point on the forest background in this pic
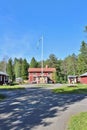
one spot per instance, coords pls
(70, 65)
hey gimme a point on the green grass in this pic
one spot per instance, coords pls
(78, 122)
(7, 87)
(2, 97)
(80, 89)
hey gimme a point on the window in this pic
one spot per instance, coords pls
(49, 73)
(34, 74)
(0, 77)
(6, 78)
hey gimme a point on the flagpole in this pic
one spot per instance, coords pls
(42, 58)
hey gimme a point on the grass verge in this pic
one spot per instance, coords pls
(14, 87)
(78, 122)
(80, 89)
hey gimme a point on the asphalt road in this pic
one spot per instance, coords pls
(39, 109)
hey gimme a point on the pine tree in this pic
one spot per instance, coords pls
(51, 61)
(33, 63)
(25, 69)
(82, 58)
(10, 71)
(17, 68)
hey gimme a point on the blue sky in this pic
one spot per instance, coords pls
(23, 22)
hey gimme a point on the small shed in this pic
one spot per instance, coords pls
(19, 80)
(72, 79)
(3, 78)
(83, 78)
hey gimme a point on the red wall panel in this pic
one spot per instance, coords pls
(83, 80)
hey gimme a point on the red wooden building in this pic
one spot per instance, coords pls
(35, 75)
(3, 78)
(83, 78)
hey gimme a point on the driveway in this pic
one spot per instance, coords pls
(39, 109)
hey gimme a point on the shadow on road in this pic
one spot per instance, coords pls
(32, 107)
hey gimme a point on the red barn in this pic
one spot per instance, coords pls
(35, 75)
(83, 78)
(3, 78)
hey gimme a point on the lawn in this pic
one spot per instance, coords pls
(80, 89)
(78, 122)
(14, 87)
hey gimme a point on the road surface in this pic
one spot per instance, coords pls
(39, 109)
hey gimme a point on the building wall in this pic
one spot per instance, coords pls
(3, 79)
(83, 80)
(33, 75)
(73, 80)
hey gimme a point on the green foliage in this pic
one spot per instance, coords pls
(51, 61)
(12, 87)
(24, 69)
(69, 65)
(55, 77)
(17, 69)
(82, 59)
(3, 65)
(33, 63)
(10, 70)
(81, 89)
(85, 30)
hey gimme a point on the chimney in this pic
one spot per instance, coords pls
(46, 66)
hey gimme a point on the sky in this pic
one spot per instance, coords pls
(24, 22)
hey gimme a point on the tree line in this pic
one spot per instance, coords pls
(15, 68)
(71, 65)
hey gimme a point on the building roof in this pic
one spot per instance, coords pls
(3, 73)
(39, 70)
(83, 75)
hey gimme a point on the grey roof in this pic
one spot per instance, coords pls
(85, 74)
(72, 76)
(3, 73)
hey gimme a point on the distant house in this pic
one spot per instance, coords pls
(3, 78)
(83, 78)
(19, 80)
(72, 79)
(35, 75)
